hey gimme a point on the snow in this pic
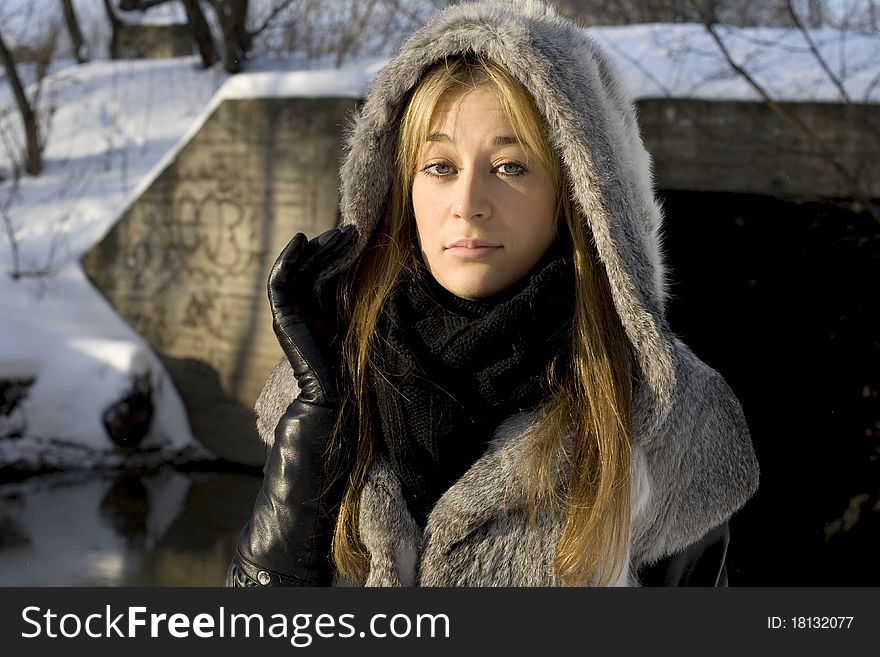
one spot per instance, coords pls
(115, 126)
(177, 16)
(349, 81)
(683, 61)
(83, 357)
(113, 122)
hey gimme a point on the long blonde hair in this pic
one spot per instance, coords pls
(586, 426)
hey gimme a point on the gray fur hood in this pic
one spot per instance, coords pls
(591, 123)
(696, 465)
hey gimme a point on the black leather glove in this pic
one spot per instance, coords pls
(287, 540)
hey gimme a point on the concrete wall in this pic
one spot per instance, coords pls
(186, 266)
(746, 148)
(146, 41)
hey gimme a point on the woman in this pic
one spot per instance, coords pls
(488, 391)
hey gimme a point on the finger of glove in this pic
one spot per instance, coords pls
(293, 279)
(310, 368)
(300, 264)
(296, 341)
(344, 232)
(324, 250)
(283, 279)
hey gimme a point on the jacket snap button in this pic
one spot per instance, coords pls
(263, 577)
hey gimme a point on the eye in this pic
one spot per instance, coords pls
(438, 169)
(510, 169)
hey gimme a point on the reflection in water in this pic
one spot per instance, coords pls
(10, 523)
(125, 508)
(166, 528)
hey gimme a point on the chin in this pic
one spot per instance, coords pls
(470, 289)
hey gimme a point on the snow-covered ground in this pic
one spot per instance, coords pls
(112, 123)
(116, 125)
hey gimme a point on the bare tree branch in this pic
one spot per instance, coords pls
(819, 58)
(201, 32)
(666, 91)
(232, 16)
(869, 88)
(276, 10)
(357, 23)
(114, 28)
(855, 187)
(10, 228)
(782, 113)
(80, 50)
(33, 149)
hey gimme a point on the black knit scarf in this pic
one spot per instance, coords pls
(451, 370)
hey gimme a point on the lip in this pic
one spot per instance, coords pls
(472, 249)
(473, 244)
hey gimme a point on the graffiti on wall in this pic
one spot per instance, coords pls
(190, 261)
(206, 234)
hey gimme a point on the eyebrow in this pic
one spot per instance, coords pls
(504, 140)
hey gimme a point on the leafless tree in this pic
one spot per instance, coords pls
(33, 146)
(115, 24)
(333, 33)
(851, 176)
(9, 229)
(742, 13)
(232, 16)
(195, 16)
(277, 10)
(201, 32)
(80, 50)
(802, 15)
(313, 28)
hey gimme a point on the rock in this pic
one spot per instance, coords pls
(12, 392)
(127, 421)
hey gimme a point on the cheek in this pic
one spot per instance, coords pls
(422, 232)
(543, 213)
(424, 210)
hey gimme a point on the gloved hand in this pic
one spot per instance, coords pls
(287, 540)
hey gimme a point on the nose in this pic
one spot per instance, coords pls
(472, 201)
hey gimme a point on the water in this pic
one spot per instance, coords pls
(163, 528)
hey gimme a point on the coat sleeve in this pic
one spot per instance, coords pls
(701, 564)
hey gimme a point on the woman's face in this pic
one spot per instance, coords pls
(485, 206)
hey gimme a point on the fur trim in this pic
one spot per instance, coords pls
(591, 122)
(688, 478)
